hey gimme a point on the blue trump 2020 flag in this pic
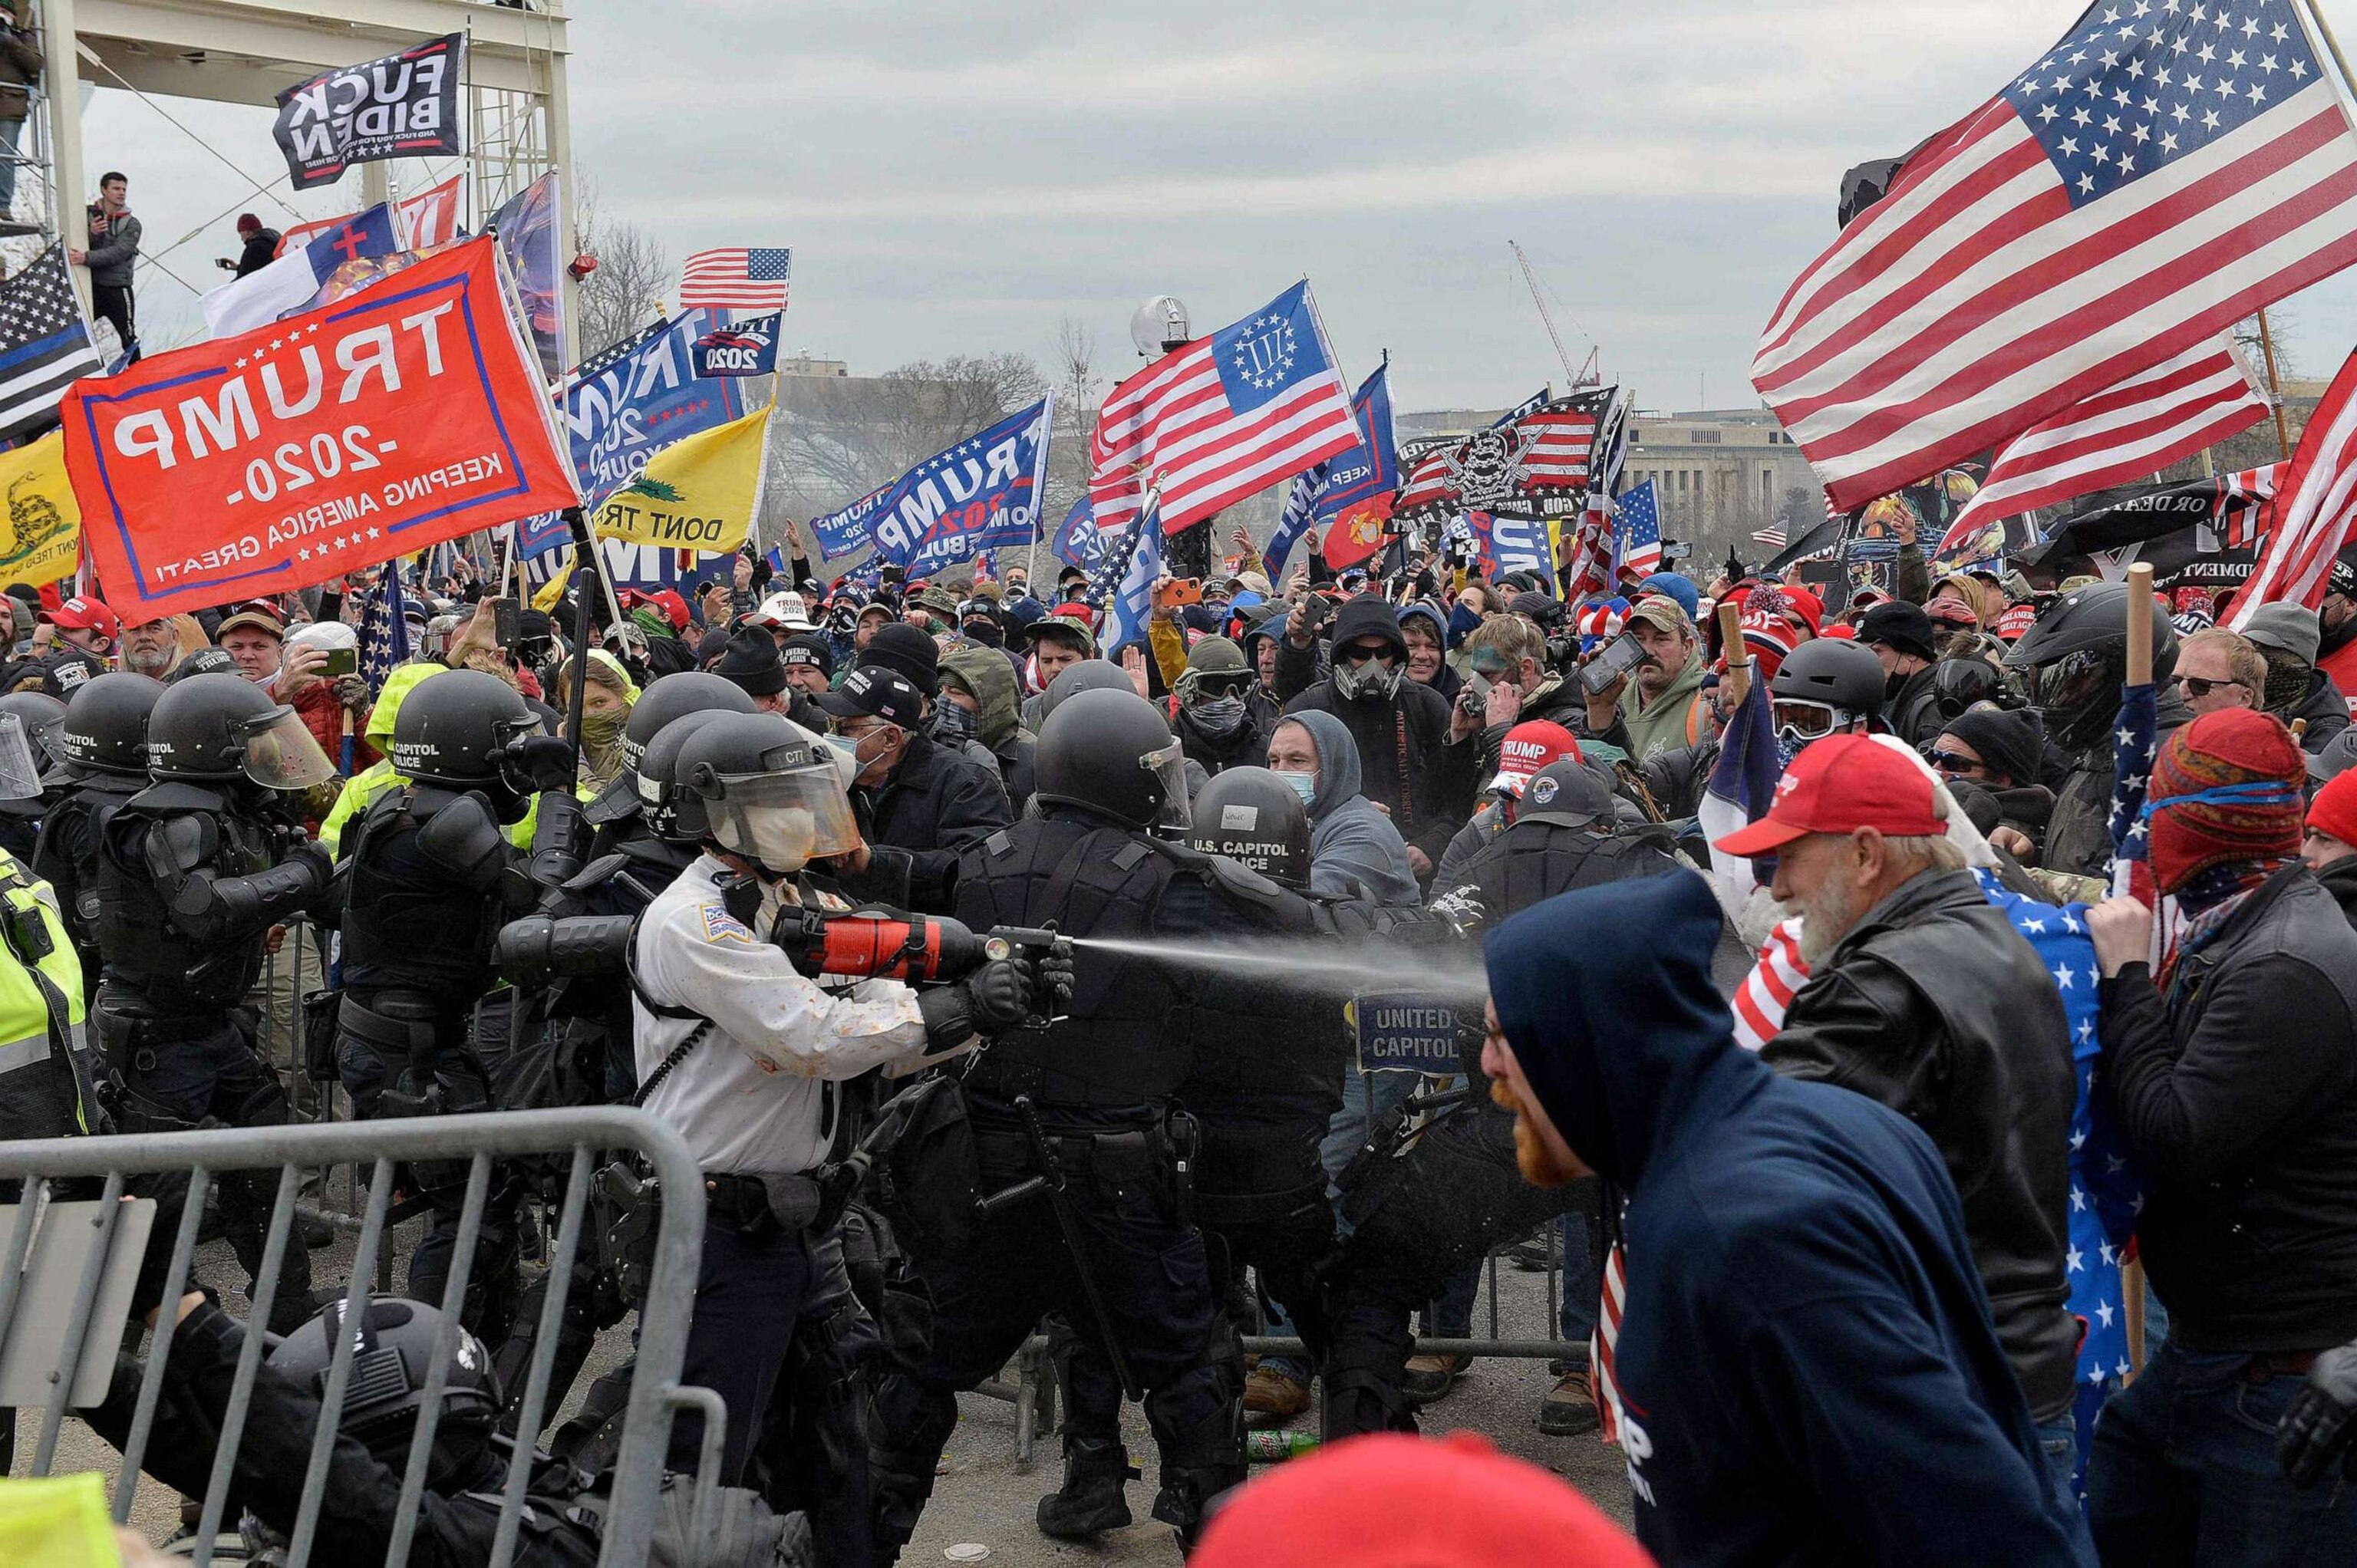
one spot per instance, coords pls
(1079, 541)
(1127, 580)
(981, 494)
(631, 402)
(748, 348)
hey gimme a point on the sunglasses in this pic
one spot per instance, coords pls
(2195, 686)
(1955, 762)
(1223, 685)
(1360, 652)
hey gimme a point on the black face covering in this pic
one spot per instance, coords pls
(987, 632)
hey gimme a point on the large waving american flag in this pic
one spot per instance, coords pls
(2138, 427)
(1222, 417)
(2315, 500)
(2163, 171)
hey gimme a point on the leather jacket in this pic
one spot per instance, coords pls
(1934, 1006)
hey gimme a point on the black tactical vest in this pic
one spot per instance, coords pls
(409, 924)
(141, 947)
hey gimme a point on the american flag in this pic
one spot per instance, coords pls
(1560, 442)
(2243, 501)
(1222, 417)
(1585, 565)
(734, 279)
(1637, 533)
(2165, 170)
(2316, 498)
(45, 344)
(1771, 537)
(383, 634)
(2142, 425)
(2135, 742)
(1122, 591)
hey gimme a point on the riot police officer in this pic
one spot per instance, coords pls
(193, 873)
(617, 813)
(1266, 1080)
(747, 1055)
(430, 879)
(20, 819)
(1420, 1218)
(100, 742)
(1084, 1102)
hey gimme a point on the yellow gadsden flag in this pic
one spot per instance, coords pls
(41, 541)
(697, 494)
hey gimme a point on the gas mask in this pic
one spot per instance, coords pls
(1369, 680)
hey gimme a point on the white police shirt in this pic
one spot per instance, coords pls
(750, 1098)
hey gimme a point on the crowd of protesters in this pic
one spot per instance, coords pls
(1842, 1099)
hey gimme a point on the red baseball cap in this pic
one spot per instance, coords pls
(1529, 746)
(83, 613)
(1838, 784)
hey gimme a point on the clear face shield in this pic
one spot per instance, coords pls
(20, 774)
(281, 753)
(1169, 765)
(783, 820)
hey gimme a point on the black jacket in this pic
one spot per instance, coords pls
(1913, 711)
(2239, 1090)
(2326, 709)
(1406, 762)
(1934, 1006)
(1557, 700)
(1246, 746)
(454, 1528)
(2340, 879)
(935, 803)
(2077, 834)
(261, 248)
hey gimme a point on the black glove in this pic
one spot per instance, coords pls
(1052, 976)
(998, 994)
(542, 761)
(2316, 1430)
(313, 854)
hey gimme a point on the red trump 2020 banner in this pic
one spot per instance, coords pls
(395, 419)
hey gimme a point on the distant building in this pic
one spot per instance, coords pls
(801, 364)
(1719, 473)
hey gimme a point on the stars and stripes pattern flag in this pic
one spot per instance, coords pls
(1742, 784)
(2243, 501)
(1124, 586)
(1586, 568)
(1222, 417)
(2135, 742)
(1769, 538)
(383, 635)
(2149, 421)
(736, 279)
(1557, 447)
(2316, 498)
(2159, 173)
(1637, 533)
(45, 344)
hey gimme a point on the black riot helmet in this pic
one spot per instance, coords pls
(452, 728)
(2078, 649)
(1088, 675)
(1251, 815)
(1110, 753)
(40, 714)
(392, 1355)
(220, 727)
(105, 728)
(766, 790)
(668, 697)
(672, 813)
(1958, 683)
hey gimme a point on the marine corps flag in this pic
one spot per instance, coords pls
(701, 493)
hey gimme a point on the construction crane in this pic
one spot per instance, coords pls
(1585, 375)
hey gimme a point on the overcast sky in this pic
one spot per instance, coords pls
(955, 179)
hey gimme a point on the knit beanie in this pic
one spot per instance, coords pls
(2225, 789)
(2333, 813)
(2009, 742)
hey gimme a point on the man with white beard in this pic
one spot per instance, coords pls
(1922, 995)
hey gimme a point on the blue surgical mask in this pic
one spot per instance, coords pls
(1304, 785)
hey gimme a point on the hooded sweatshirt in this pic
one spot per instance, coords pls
(1807, 1366)
(1662, 725)
(998, 724)
(1348, 839)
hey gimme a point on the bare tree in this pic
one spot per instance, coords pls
(837, 438)
(631, 285)
(1073, 360)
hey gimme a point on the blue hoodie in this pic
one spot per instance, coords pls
(1348, 839)
(1807, 1368)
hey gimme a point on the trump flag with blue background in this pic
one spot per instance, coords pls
(981, 494)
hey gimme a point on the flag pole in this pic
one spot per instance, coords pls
(2275, 388)
(2139, 612)
(1040, 491)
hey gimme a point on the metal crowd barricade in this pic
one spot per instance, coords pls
(585, 1135)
